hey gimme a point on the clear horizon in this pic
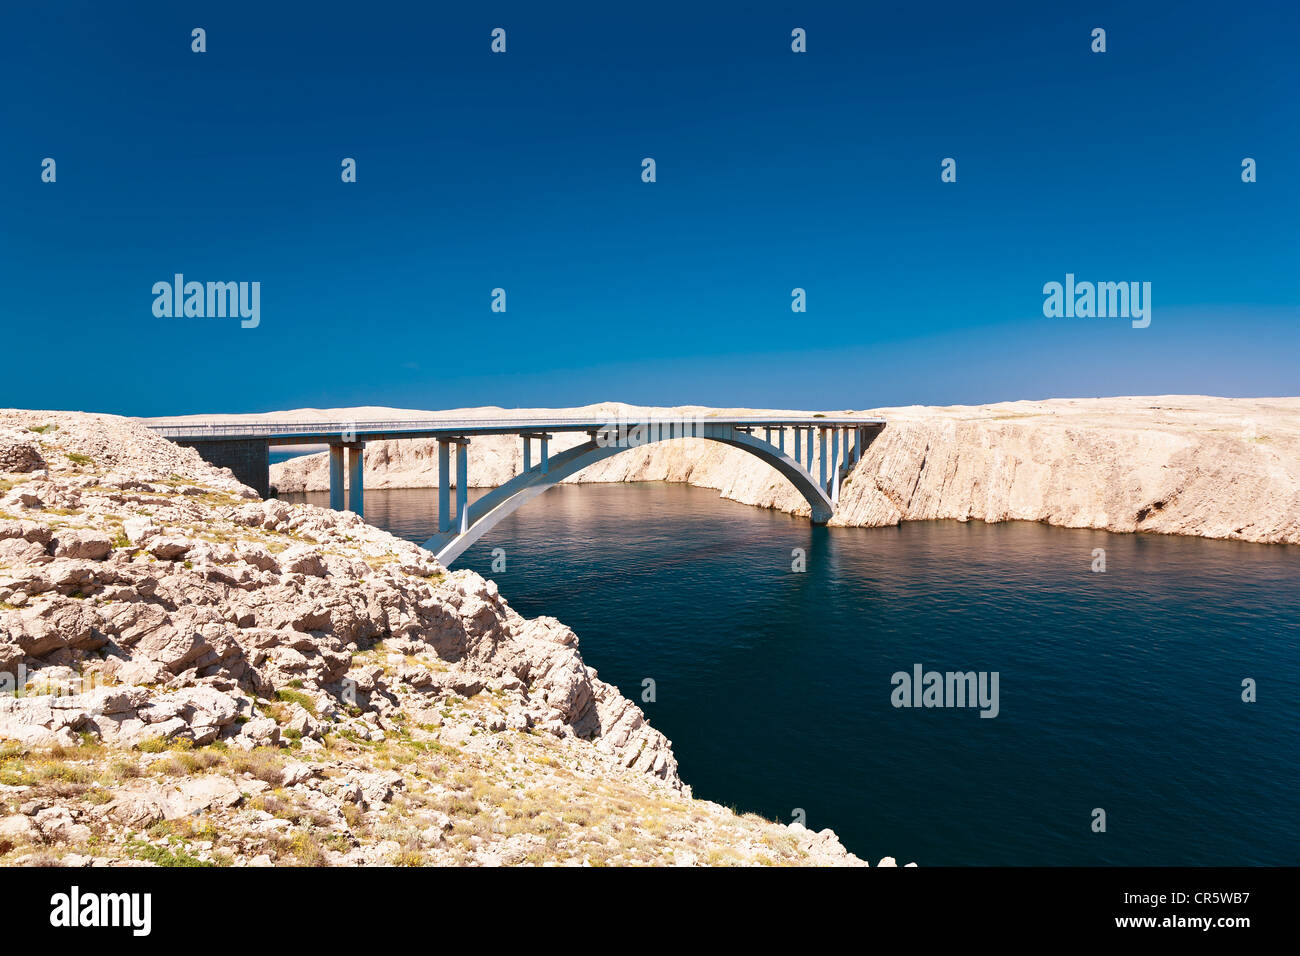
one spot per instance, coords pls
(1066, 398)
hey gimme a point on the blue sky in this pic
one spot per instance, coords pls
(523, 171)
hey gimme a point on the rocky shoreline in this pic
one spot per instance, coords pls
(1190, 465)
(199, 677)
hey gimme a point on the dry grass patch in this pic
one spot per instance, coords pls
(261, 763)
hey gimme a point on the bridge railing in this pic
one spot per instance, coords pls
(217, 430)
(258, 429)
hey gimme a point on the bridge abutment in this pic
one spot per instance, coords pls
(248, 458)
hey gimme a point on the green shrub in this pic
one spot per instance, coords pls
(296, 697)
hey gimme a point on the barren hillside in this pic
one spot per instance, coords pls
(1213, 467)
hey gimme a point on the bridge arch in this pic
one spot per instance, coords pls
(488, 511)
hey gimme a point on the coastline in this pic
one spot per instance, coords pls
(1186, 465)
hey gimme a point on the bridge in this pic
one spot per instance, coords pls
(814, 453)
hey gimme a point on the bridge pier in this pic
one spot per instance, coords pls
(822, 461)
(462, 484)
(356, 483)
(545, 439)
(834, 489)
(445, 520)
(444, 484)
(336, 477)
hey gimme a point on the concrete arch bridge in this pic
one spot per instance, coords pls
(792, 446)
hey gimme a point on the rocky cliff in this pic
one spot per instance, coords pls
(1213, 467)
(195, 676)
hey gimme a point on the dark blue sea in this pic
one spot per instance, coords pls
(1119, 691)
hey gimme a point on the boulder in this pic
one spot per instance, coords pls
(168, 549)
(18, 828)
(58, 624)
(293, 774)
(40, 721)
(57, 825)
(18, 453)
(301, 722)
(81, 543)
(258, 556)
(207, 711)
(141, 803)
(303, 559)
(139, 528)
(258, 732)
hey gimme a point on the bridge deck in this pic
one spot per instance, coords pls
(243, 447)
(307, 433)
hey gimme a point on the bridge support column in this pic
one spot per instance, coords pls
(849, 460)
(780, 440)
(336, 477)
(462, 484)
(835, 466)
(545, 440)
(822, 466)
(356, 483)
(797, 456)
(444, 484)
